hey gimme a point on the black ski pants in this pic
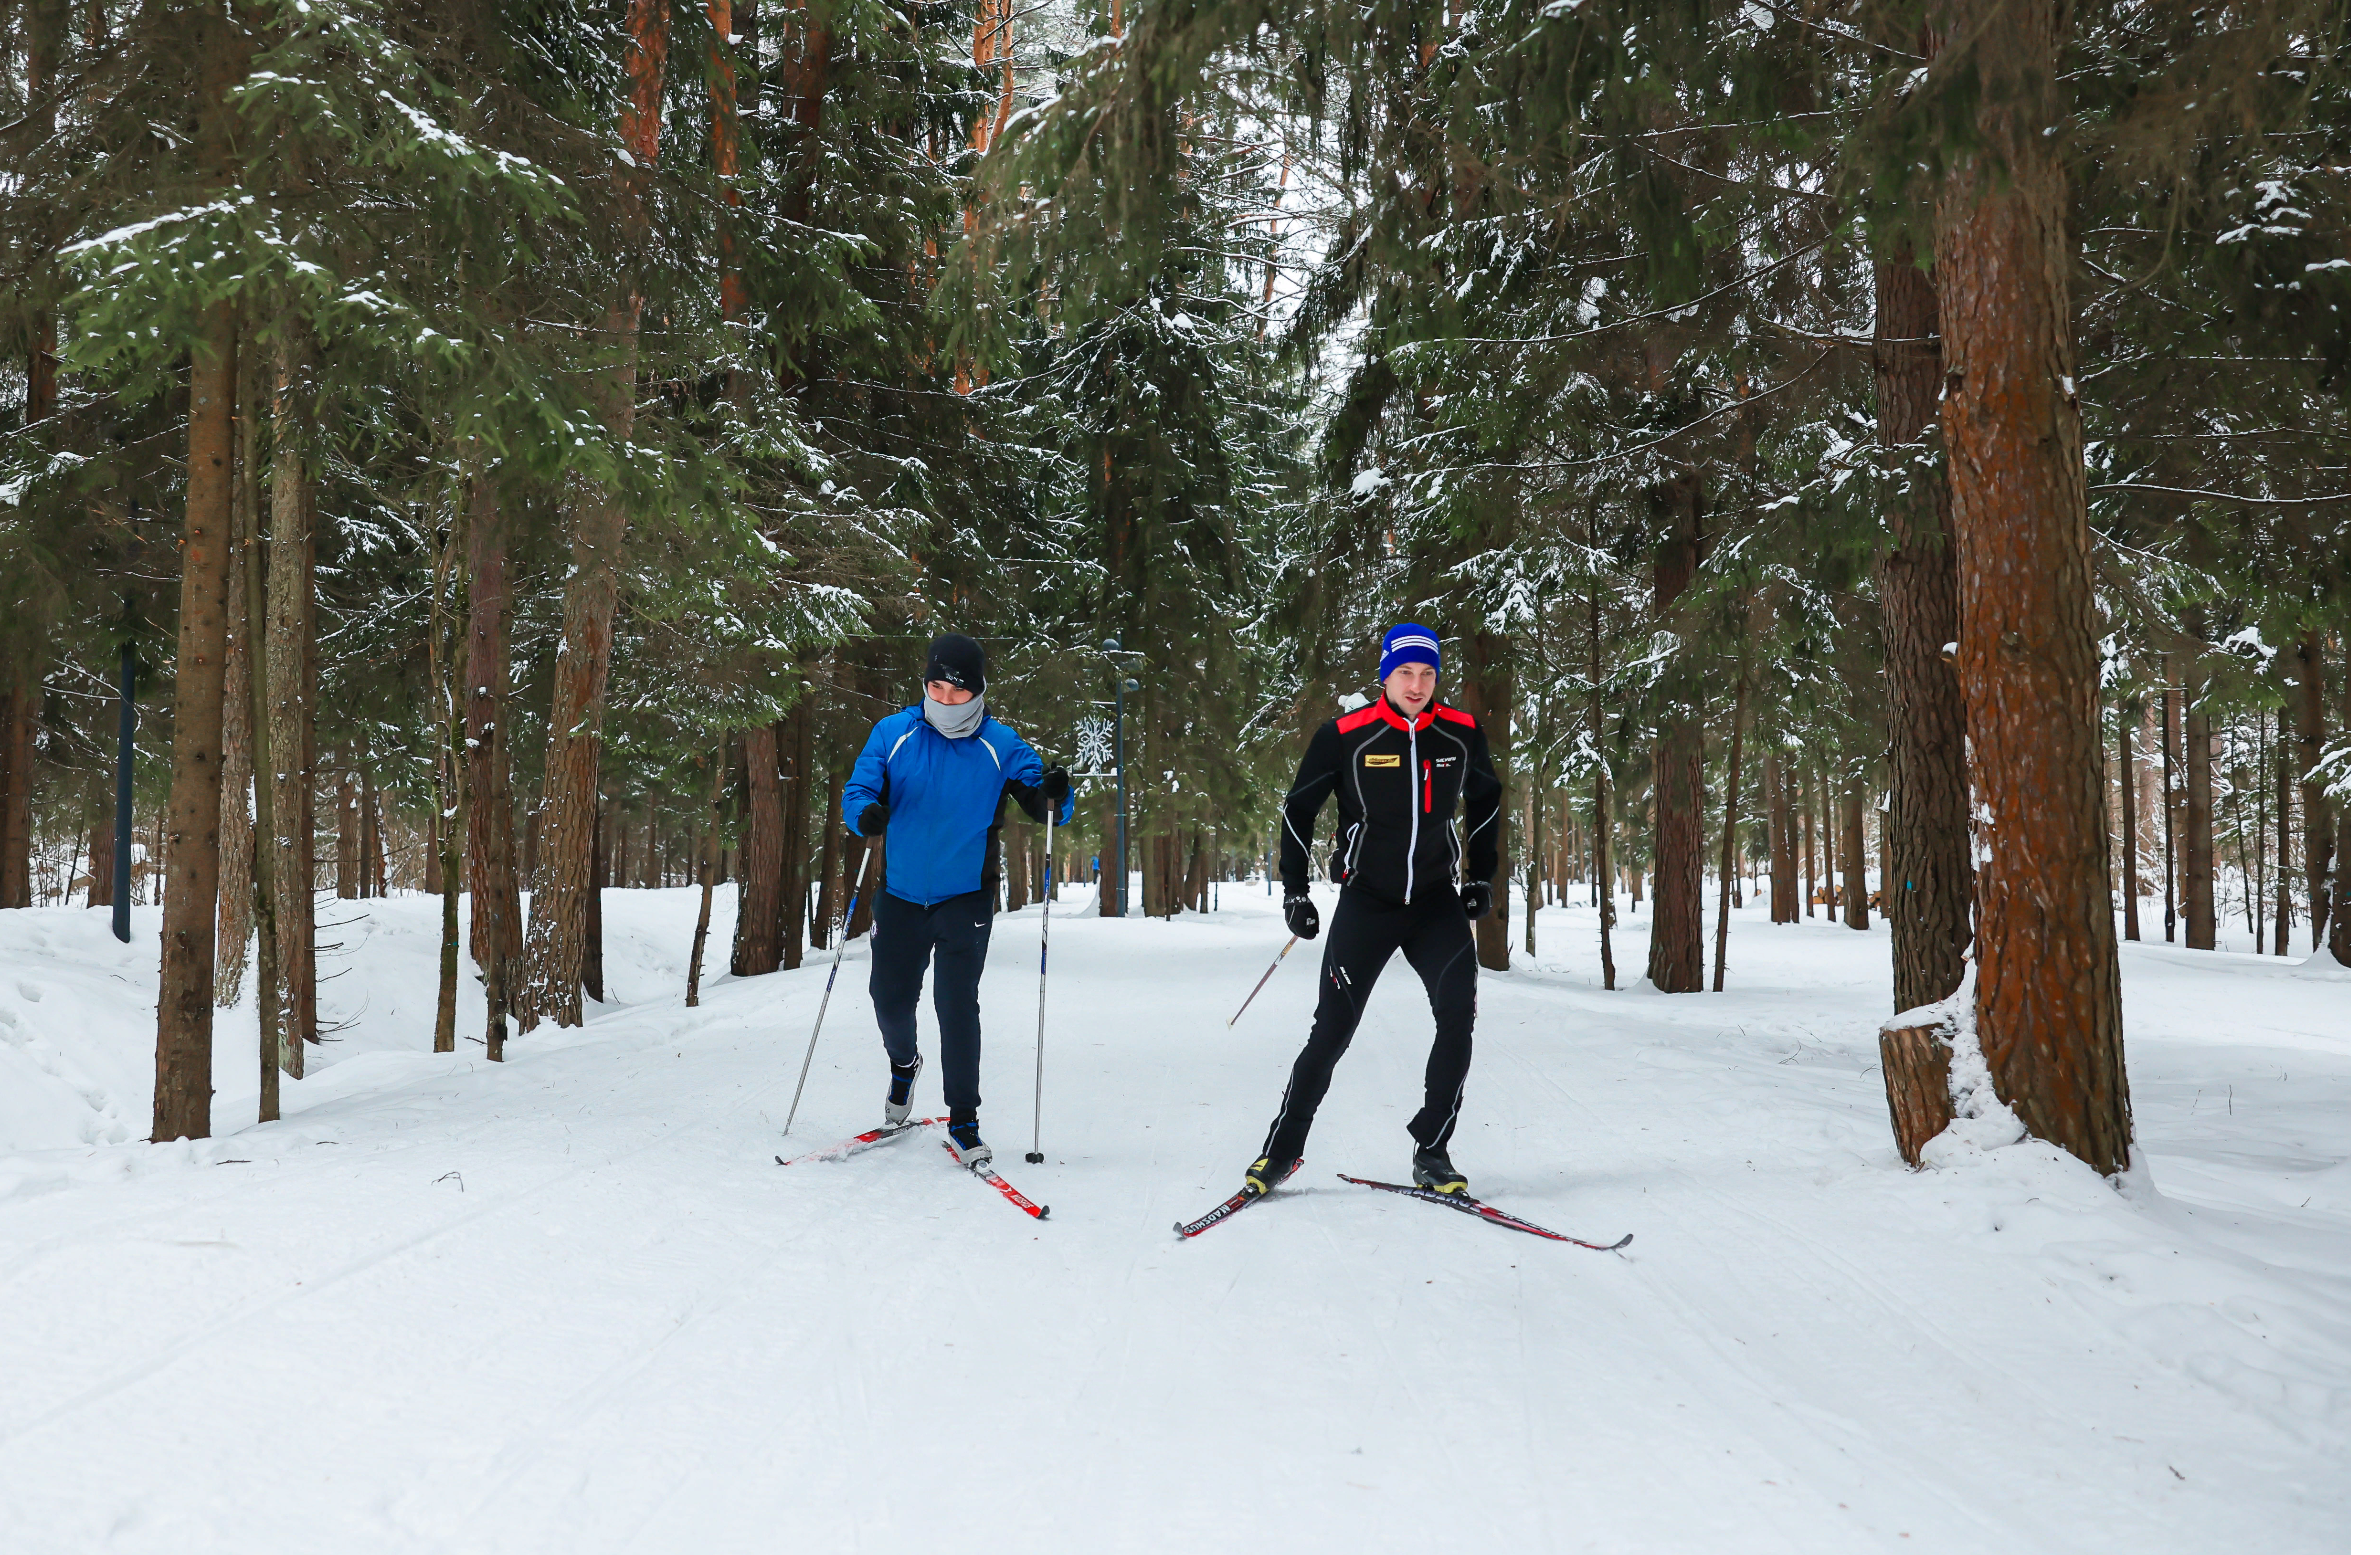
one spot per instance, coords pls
(955, 934)
(1364, 932)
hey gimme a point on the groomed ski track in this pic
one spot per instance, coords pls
(571, 1303)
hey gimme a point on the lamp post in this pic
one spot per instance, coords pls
(1122, 867)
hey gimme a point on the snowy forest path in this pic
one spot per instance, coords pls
(571, 1303)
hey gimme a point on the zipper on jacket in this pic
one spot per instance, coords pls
(1413, 833)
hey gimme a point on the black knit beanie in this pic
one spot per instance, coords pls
(957, 659)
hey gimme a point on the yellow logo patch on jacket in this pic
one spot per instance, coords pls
(1384, 761)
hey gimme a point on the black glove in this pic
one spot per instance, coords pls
(872, 820)
(1475, 896)
(1055, 785)
(1304, 922)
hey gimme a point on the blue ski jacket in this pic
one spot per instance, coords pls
(942, 796)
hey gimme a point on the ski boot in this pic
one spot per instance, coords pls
(896, 1100)
(1432, 1170)
(1265, 1173)
(967, 1139)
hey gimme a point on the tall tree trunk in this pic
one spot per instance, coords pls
(291, 560)
(1780, 846)
(2343, 879)
(1490, 689)
(2198, 806)
(2280, 838)
(2314, 804)
(236, 884)
(101, 890)
(273, 1039)
(556, 951)
(487, 777)
(1930, 882)
(829, 907)
(707, 874)
(1808, 901)
(1825, 810)
(1013, 839)
(185, 1090)
(348, 837)
(2132, 839)
(1674, 962)
(1856, 852)
(1726, 834)
(795, 749)
(2168, 787)
(590, 964)
(2047, 1009)
(21, 703)
(757, 918)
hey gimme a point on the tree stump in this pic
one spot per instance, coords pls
(1916, 1085)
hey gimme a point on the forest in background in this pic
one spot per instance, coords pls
(1892, 455)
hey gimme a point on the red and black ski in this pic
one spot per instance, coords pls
(1228, 1207)
(1488, 1212)
(858, 1142)
(1038, 1211)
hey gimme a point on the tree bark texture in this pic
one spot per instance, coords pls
(1490, 686)
(235, 882)
(555, 954)
(1856, 852)
(1674, 961)
(20, 705)
(273, 1038)
(1916, 1086)
(487, 776)
(2047, 999)
(185, 1091)
(1929, 885)
(2314, 805)
(1727, 837)
(2131, 835)
(2197, 808)
(1780, 846)
(757, 922)
(287, 654)
(590, 963)
(2282, 844)
(795, 757)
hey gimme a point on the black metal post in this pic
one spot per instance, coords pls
(126, 719)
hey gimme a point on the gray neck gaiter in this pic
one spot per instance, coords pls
(956, 723)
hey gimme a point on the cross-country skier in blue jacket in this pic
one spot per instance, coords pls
(931, 782)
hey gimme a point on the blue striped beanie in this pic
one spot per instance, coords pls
(1408, 644)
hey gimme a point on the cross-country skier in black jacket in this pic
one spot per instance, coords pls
(1413, 878)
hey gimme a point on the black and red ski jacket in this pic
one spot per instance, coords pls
(1398, 782)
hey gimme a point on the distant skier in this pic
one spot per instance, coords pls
(931, 780)
(1398, 767)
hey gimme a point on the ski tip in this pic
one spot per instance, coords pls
(784, 1161)
(1041, 1214)
(1622, 1242)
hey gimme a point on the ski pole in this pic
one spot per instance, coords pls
(1042, 1021)
(842, 938)
(1261, 982)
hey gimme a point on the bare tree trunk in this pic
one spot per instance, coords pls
(1930, 882)
(1490, 686)
(2345, 878)
(591, 965)
(2131, 841)
(1855, 853)
(2168, 772)
(2047, 998)
(1825, 812)
(2280, 838)
(1726, 834)
(101, 891)
(757, 926)
(291, 562)
(794, 755)
(1780, 846)
(273, 1037)
(487, 777)
(829, 907)
(185, 1091)
(1674, 961)
(20, 705)
(235, 882)
(2198, 807)
(1808, 901)
(2314, 804)
(1013, 839)
(556, 951)
(707, 871)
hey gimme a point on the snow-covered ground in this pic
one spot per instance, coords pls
(570, 1303)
